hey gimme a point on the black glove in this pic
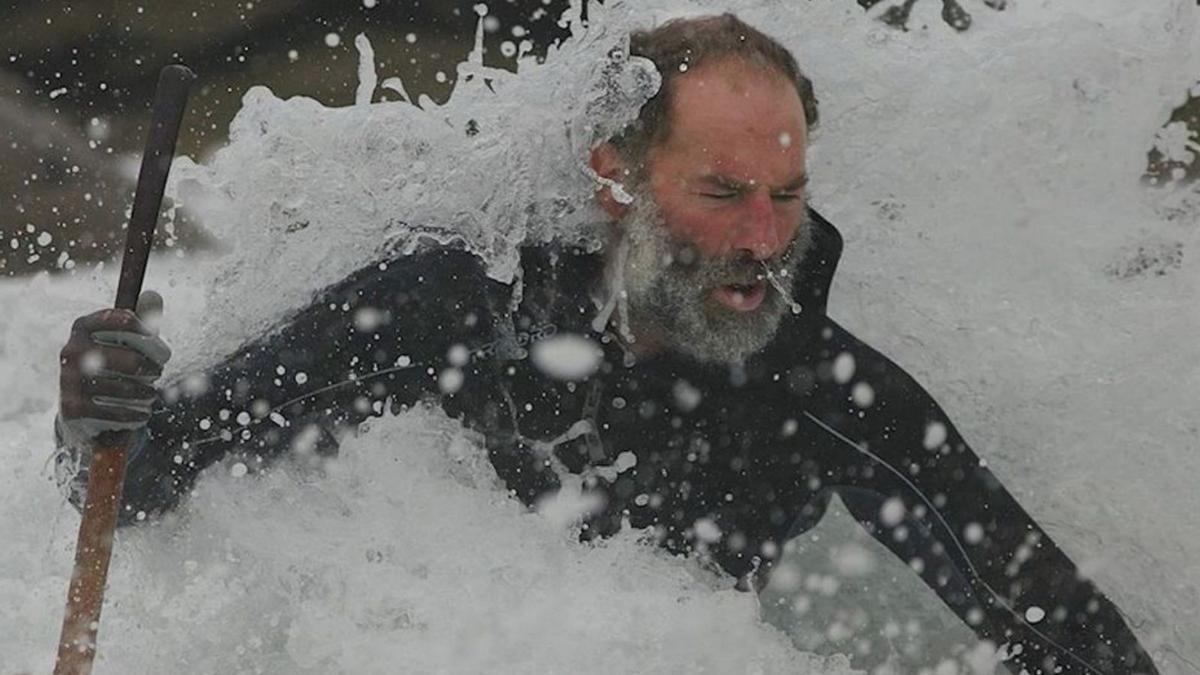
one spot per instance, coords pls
(109, 367)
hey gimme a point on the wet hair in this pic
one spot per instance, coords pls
(682, 44)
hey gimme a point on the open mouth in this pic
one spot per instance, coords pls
(741, 297)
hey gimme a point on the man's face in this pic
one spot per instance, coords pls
(725, 206)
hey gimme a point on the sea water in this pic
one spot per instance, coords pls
(1000, 245)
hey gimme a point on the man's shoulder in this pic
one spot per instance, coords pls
(436, 286)
(430, 278)
(447, 265)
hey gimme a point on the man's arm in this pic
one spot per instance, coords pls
(935, 504)
(380, 338)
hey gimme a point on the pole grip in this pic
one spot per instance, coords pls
(106, 472)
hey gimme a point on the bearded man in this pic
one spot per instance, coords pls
(713, 401)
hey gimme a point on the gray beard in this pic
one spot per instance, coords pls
(667, 286)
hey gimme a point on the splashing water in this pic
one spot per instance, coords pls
(998, 245)
(778, 281)
(324, 191)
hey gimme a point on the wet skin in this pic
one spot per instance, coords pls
(729, 179)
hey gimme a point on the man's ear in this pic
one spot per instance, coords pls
(608, 165)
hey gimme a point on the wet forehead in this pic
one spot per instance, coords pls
(740, 120)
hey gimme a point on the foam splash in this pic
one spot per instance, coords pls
(779, 282)
(404, 554)
(323, 191)
(999, 245)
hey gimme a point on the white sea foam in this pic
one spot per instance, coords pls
(404, 555)
(322, 191)
(999, 245)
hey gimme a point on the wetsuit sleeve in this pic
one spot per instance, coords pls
(377, 341)
(929, 498)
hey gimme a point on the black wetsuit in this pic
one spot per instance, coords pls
(754, 453)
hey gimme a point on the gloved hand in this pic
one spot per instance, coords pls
(109, 367)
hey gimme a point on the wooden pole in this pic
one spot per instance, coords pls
(106, 474)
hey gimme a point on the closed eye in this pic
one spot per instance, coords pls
(787, 196)
(719, 195)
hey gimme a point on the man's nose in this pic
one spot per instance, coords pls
(757, 231)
